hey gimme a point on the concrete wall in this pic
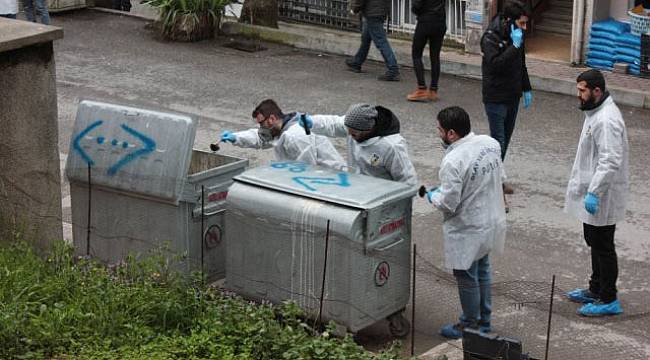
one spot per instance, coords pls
(30, 183)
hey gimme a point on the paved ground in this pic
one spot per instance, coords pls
(114, 58)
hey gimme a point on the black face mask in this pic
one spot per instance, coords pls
(592, 103)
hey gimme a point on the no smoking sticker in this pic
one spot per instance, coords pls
(382, 273)
(212, 237)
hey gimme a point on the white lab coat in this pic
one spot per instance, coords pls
(8, 7)
(471, 200)
(294, 145)
(384, 157)
(600, 167)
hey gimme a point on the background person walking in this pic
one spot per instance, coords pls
(373, 13)
(431, 28)
(40, 6)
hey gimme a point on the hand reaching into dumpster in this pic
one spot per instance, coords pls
(228, 136)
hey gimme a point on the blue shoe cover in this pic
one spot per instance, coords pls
(451, 331)
(582, 296)
(600, 309)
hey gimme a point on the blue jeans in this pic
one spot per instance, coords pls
(475, 294)
(372, 29)
(41, 9)
(502, 119)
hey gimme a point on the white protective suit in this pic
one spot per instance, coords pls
(384, 157)
(294, 145)
(471, 200)
(600, 167)
(8, 7)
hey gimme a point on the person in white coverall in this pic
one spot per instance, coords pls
(597, 191)
(288, 140)
(375, 146)
(470, 197)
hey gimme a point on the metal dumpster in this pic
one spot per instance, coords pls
(276, 237)
(137, 187)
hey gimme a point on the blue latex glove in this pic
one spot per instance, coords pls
(228, 136)
(431, 193)
(592, 203)
(306, 121)
(517, 36)
(528, 99)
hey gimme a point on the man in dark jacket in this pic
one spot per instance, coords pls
(431, 28)
(373, 14)
(505, 77)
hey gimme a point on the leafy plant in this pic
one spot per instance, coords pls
(189, 20)
(63, 307)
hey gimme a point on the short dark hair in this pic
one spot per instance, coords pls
(514, 9)
(455, 118)
(593, 78)
(267, 108)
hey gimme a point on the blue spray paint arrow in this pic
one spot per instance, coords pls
(76, 142)
(306, 180)
(149, 146)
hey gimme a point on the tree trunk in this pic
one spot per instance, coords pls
(260, 12)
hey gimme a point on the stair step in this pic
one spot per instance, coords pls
(561, 4)
(553, 29)
(551, 15)
(556, 23)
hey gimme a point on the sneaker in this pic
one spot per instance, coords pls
(451, 331)
(433, 95)
(485, 328)
(599, 309)
(508, 190)
(388, 77)
(352, 66)
(419, 95)
(582, 296)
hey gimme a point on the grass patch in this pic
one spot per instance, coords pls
(68, 308)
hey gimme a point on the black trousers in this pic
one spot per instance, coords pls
(432, 32)
(604, 264)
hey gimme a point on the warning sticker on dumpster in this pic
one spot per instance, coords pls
(382, 273)
(212, 237)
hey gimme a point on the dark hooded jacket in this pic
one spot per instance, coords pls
(505, 76)
(386, 123)
(429, 10)
(371, 8)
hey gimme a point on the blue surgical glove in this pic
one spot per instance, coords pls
(517, 36)
(431, 193)
(306, 121)
(592, 203)
(228, 136)
(528, 99)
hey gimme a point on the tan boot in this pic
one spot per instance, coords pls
(418, 95)
(433, 95)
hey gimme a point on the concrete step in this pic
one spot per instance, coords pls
(561, 4)
(559, 24)
(553, 29)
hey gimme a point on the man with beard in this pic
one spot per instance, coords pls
(375, 146)
(470, 197)
(597, 191)
(289, 141)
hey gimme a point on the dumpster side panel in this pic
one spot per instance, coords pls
(121, 224)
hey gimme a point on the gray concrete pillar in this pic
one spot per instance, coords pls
(477, 18)
(30, 177)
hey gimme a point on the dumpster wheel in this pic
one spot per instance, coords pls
(398, 325)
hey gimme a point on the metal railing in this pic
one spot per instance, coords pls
(335, 13)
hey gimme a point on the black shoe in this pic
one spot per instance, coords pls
(352, 66)
(388, 77)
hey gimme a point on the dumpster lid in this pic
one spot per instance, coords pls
(354, 190)
(135, 150)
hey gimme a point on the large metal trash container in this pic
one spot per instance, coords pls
(137, 187)
(276, 234)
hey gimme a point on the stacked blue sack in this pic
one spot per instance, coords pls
(628, 50)
(602, 43)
